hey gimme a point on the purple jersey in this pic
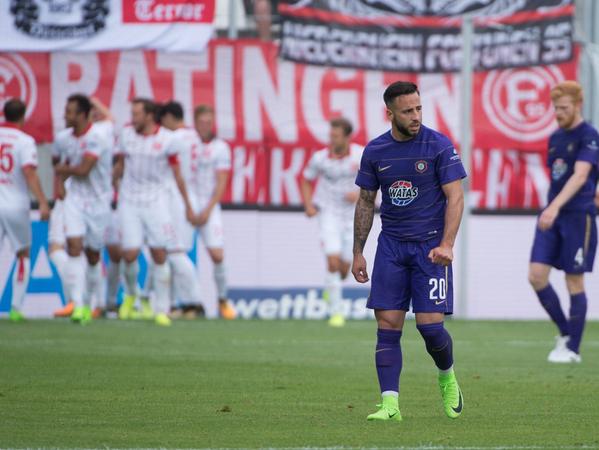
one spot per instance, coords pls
(565, 148)
(410, 175)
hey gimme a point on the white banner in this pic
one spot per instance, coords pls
(96, 25)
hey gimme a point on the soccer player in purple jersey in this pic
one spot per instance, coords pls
(419, 174)
(566, 233)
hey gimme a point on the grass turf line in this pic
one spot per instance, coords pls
(284, 384)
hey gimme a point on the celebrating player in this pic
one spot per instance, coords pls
(86, 161)
(185, 282)
(18, 163)
(335, 169)
(146, 151)
(419, 173)
(209, 175)
(566, 233)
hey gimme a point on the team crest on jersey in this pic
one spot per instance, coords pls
(421, 166)
(558, 169)
(593, 146)
(402, 193)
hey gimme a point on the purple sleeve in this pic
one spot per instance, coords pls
(367, 178)
(448, 165)
(589, 148)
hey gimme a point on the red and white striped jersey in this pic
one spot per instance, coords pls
(336, 178)
(212, 157)
(147, 174)
(70, 148)
(17, 150)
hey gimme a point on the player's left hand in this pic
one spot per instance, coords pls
(442, 255)
(44, 212)
(202, 218)
(61, 169)
(189, 214)
(547, 218)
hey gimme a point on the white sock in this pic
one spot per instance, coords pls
(20, 280)
(162, 281)
(446, 371)
(185, 281)
(220, 278)
(94, 278)
(391, 393)
(75, 279)
(131, 271)
(148, 286)
(333, 286)
(59, 258)
(113, 279)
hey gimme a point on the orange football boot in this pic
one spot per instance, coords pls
(226, 310)
(65, 311)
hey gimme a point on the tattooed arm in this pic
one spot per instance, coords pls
(362, 224)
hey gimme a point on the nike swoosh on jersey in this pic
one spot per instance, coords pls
(458, 409)
(384, 168)
(438, 303)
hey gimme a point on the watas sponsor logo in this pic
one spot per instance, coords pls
(402, 193)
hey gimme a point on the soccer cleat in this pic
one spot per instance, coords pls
(146, 313)
(337, 320)
(226, 310)
(98, 313)
(560, 349)
(65, 311)
(15, 315)
(389, 410)
(325, 296)
(564, 356)
(453, 400)
(163, 320)
(82, 315)
(126, 311)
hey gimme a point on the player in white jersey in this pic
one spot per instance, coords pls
(147, 153)
(335, 169)
(18, 163)
(185, 282)
(85, 154)
(209, 176)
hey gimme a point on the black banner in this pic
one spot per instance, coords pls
(535, 33)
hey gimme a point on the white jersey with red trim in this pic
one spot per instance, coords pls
(17, 150)
(336, 178)
(70, 148)
(147, 164)
(189, 145)
(106, 127)
(212, 157)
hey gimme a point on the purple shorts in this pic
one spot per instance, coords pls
(569, 245)
(402, 273)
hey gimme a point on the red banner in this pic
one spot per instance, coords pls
(275, 113)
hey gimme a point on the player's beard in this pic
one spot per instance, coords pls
(404, 130)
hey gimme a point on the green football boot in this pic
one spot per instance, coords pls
(15, 315)
(389, 410)
(126, 310)
(453, 401)
(146, 312)
(82, 315)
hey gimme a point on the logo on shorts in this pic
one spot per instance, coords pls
(402, 193)
(558, 169)
(421, 166)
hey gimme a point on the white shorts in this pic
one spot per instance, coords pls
(56, 233)
(337, 235)
(145, 222)
(15, 224)
(88, 220)
(183, 239)
(212, 231)
(113, 235)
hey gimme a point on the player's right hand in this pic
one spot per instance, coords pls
(311, 210)
(358, 269)
(44, 212)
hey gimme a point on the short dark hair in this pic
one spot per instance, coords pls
(84, 105)
(343, 123)
(397, 89)
(149, 106)
(14, 110)
(173, 108)
(202, 109)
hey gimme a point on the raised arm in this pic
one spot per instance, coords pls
(363, 218)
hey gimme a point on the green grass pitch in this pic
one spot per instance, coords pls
(285, 384)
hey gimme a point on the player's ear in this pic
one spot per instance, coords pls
(389, 114)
